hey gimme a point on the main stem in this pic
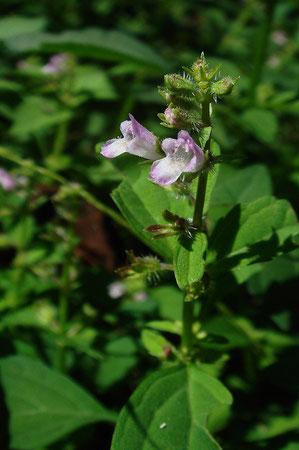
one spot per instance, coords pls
(188, 307)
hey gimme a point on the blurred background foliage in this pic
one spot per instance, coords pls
(61, 238)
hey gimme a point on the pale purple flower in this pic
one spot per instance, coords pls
(56, 64)
(116, 289)
(136, 140)
(280, 37)
(140, 297)
(7, 181)
(182, 155)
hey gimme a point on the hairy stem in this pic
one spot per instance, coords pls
(188, 318)
(188, 307)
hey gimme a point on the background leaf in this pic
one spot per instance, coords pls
(43, 404)
(92, 43)
(253, 233)
(261, 123)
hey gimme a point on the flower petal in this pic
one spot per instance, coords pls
(196, 162)
(139, 148)
(169, 145)
(139, 131)
(127, 130)
(167, 170)
(114, 147)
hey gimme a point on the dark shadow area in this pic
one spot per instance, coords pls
(4, 422)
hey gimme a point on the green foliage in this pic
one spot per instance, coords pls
(61, 237)
(44, 405)
(148, 420)
(92, 43)
(261, 123)
(252, 233)
(189, 259)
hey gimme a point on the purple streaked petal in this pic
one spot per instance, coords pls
(140, 148)
(169, 145)
(196, 162)
(127, 130)
(142, 132)
(114, 147)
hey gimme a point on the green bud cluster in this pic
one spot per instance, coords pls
(146, 267)
(186, 93)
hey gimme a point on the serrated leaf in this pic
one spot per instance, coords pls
(44, 405)
(169, 411)
(189, 259)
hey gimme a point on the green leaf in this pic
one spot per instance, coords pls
(166, 325)
(252, 233)
(170, 301)
(141, 202)
(94, 82)
(113, 369)
(40, 314)
(37, 114)
(261, 123)
(169, 411)
(154, 343)
(11, 26)
(275, 426)
(189, 259)
(238, 186)
(8, 85)
(280, 269)
(92, 43)
(44, 405)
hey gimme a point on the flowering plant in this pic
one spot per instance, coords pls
(170, 215)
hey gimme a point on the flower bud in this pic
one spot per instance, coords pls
(180, 118)
(145, 267)
(172, 119)
(178, 84)
(223, 86)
